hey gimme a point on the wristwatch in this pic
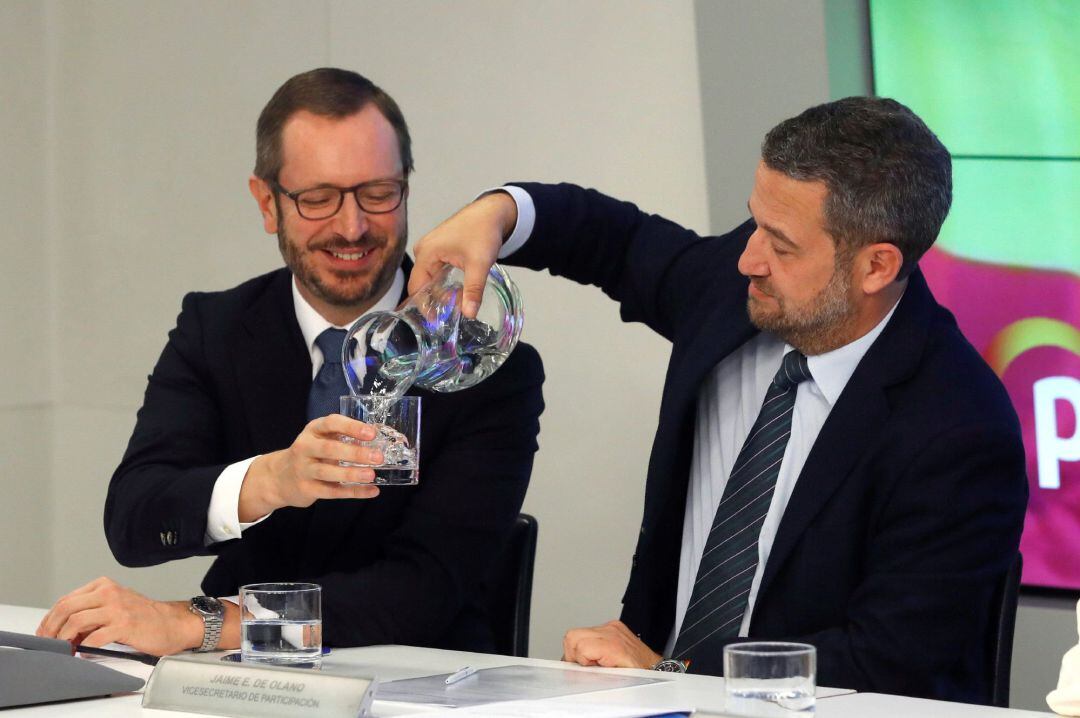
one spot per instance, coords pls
(212, 613)
(670, 665)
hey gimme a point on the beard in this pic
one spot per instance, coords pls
(819, 325)
(343, 288)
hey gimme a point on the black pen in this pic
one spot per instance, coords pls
(140, 657)
(31, 642)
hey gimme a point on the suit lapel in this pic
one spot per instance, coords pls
(273, 368)
(660, 542)
(690, 365)
(855, 423)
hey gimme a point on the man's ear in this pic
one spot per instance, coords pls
(878, 266)
(264, 196)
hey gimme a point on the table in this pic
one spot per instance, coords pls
(393, 662)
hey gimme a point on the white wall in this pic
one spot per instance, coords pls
(1046, 627)
(127, 138)
(25, 307)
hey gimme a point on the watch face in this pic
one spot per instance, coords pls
(206, 604)
(670, 665)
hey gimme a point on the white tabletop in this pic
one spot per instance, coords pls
(393, 662)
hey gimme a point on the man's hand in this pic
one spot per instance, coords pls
(308, 470)
(104, 612)
(612, 645)
(470, 240)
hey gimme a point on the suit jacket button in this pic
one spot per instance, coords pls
(164, 541)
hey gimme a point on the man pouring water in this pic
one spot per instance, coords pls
(236, 450)
(834, 464)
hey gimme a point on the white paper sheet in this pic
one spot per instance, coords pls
(506, 683)
(549, 709)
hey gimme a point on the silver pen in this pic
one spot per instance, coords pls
(460, 675)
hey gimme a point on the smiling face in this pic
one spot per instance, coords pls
(800, 285)
(342, 264)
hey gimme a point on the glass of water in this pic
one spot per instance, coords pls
(397, 425)
(281, 623)
(769, 678)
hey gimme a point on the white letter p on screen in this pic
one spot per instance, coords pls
(1050, 447)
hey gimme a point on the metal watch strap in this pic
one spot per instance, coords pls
(670, 665)
(212, 613)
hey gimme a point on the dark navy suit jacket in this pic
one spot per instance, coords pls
(406, 567)
(909, 509)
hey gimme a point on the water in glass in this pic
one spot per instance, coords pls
(282, 642)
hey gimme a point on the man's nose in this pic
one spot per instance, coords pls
(352, 221)
(752, 261)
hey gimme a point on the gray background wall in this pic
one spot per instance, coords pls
(127, 137)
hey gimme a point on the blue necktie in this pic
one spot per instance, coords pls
(722, 588)
(329, 383)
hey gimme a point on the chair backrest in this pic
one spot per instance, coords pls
(1003, 626)
(510, 589)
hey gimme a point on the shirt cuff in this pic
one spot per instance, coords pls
(526, 218)
(223, 516)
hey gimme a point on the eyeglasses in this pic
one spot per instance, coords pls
(378, 197)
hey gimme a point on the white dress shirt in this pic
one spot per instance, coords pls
(728, 405)
(223, 520)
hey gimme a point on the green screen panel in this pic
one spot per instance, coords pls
(990, 77)
(999, 81)
(1020, 213)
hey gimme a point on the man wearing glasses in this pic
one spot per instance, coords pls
(236, 449)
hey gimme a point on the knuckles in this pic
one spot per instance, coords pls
(109, 590)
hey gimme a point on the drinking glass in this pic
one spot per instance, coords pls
(769, 678)
(397, 426)
(281, 623)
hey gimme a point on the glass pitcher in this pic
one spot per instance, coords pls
(426, 341)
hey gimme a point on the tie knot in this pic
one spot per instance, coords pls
(329, 343)
(793, 370)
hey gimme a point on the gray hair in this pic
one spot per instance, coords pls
(889, 178)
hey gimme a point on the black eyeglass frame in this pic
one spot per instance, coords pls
(402, 184)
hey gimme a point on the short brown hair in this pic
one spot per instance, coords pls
(329, 92)
(889, 177)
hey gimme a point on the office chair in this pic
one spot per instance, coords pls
(510, 589)
(1003, 625)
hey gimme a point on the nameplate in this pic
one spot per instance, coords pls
(208, 685)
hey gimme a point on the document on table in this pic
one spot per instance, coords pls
(506, 683)
(131, 668)
(548, 709)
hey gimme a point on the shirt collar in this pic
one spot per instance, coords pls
(312, 324)
(832, 370)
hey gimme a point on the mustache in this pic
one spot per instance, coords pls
(338, 243)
